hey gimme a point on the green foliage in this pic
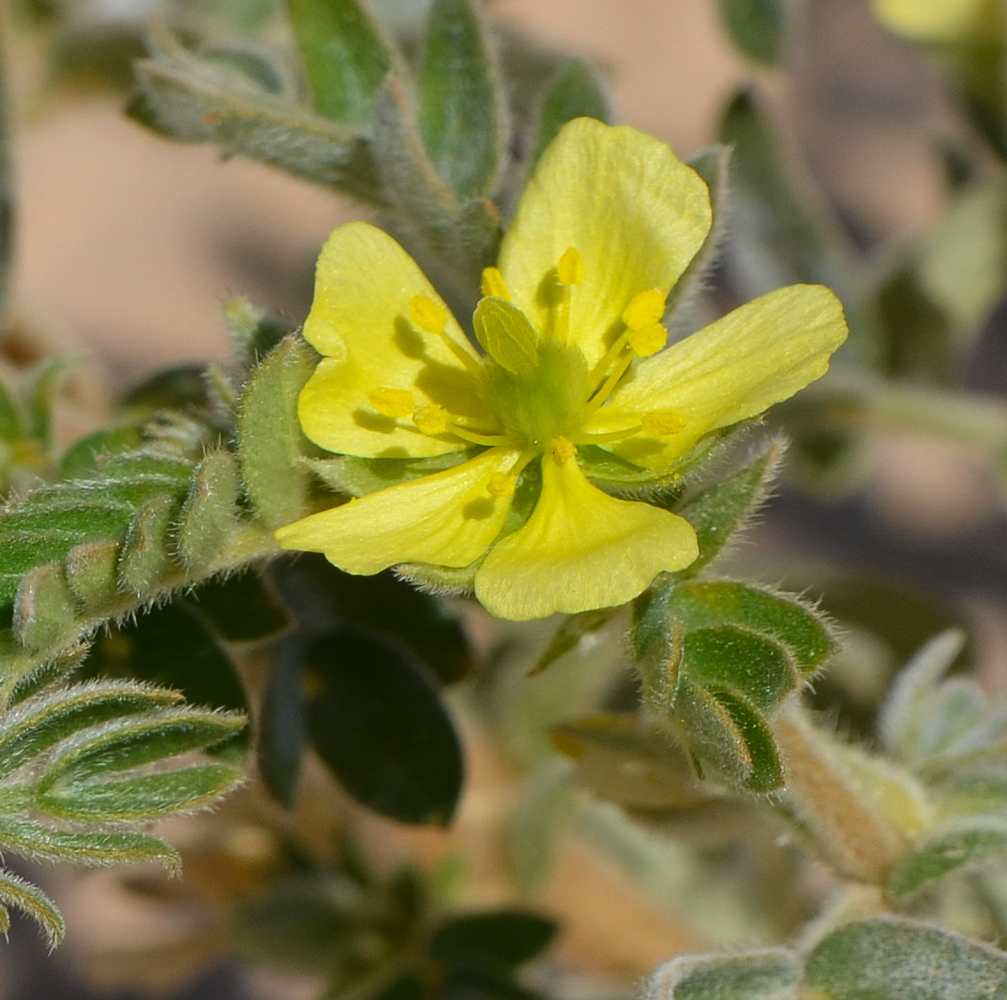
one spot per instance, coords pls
(757, 27)
(717, 658)
(873, 959)
(461, 111)
(346, 56)
(574, 91)
(84, 764)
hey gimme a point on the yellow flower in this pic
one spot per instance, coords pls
(941, 21)
(573, 366)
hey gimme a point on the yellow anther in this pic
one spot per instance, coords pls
(662, 423)
(428, 315)
(562, 450)
(494, 285)
(396, 403)
(501, 484)
(648, 341)
(645, 310)
(432, 419)
(570, 269)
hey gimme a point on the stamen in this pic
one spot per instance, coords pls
(494, 285)
(431, 317)
(428, 315)
(396, 403)
(648, 340)
(645, 309)
(662, 423)
(501, 484)
(432, 419)
(605, 389)
(562, 450)
(570, 269)
(474, 437)
(606, 437)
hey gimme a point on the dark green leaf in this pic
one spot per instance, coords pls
(723, 508)
(885, 958)
(44, 610)
(346, 55)
(254, 332)
(147, 550)
(460, 108)
(270, 440)
(241, 607)
(574, 91)
(321, 594)
(379, 724)
(171, 647)
(778, 617)
(765, 769)
(282, 725)
(508, 936)
(944, 851)
(757, 27)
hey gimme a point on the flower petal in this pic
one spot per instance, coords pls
(635, 213)
(757, 355)
(449, 519)
(941, 20)
(580, 549)
(360, 321)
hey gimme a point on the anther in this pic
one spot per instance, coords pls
(432, 419)
(570, 269)
(493, 285)
(428, 315)
(648, 340)
(501, 484)
(646, 309)
(396, 403)
(562, 450)
(662, 423)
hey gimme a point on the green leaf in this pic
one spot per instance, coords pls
(460, 105)
(757, 27)
(93, 848)
(903, 718)
(254, 332)
(379, 724)
(121, 744)
(325, 597)
(241, 607)
(724, 507)
(210, 515)
(270, 440)
(283, 724)
(725, 731)
(147, 551)
(170, 646)
(511, 937)
(944, 851)
(44, 610)
(193, 100)
(892, 959)
(780, 618)
(772, 974)
(40, 722)
(82, 460)
(574, 91)
(15, 891)
(571, 632)
(143, 798)
(346, 54)
(91, 572)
